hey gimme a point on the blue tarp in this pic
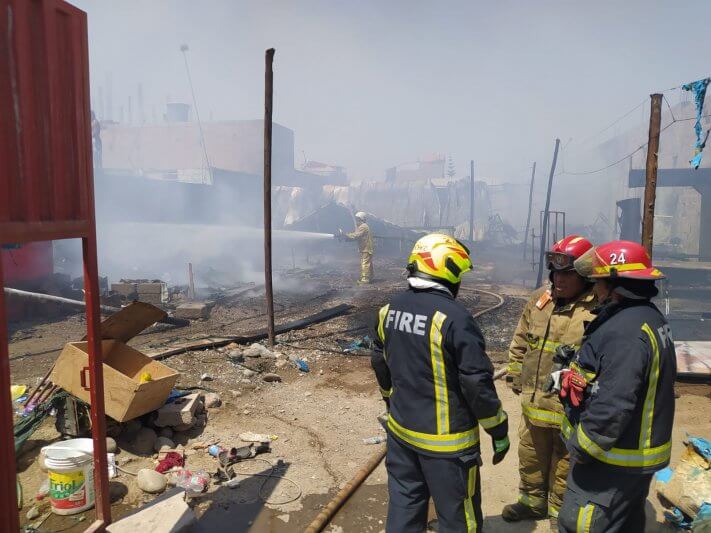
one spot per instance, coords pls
(699, 90)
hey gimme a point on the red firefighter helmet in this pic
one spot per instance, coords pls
(563, 254)
(618, 259)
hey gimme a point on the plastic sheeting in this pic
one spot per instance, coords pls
(698, 88)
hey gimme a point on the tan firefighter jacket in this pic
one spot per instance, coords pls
(363, 237)
(542, 328)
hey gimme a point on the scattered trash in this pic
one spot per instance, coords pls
(364, 343)
(70, 460)
(171, 460)
(146, 377)
(257, 350)
(111, 462)
(42, 491)
(32, 513)
(256, 437)
(375, 440)
(206, 377)
(195, 482)
(215, 450)
(301, 365)
(16, 394)
(686, 488)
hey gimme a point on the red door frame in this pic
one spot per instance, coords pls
(47, 190)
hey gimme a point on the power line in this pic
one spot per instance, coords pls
(617, 121)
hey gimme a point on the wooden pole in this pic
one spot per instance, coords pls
(191, 281)
(544, 232)
(471, 202)
(268, 99)
(650, 188)
(530, 206)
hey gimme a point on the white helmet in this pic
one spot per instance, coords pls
(360, 215)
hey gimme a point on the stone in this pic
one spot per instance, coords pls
(113, 430)
(111, 445)
(280, 363)
(236, 393)
(185, 427)
(162, 442)
(167, 514)
(192, 311)
(151, 481)
(166, 432)
(33, 513)
(143, 441)
(179, 412)
(200, 407)
(201, 420)
(308, 394)
(212, 400)
(271, 378)
(257, 350)
(131, 427)
(246, 372)
(206, 377)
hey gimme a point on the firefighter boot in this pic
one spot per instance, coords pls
(516, 512)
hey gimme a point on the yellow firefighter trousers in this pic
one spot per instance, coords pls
(543, 464)
(366, 267)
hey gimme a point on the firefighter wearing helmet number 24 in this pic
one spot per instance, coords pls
(551, 326)
(618, 395)
(437, 381)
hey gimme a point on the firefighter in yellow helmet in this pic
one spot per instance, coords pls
(364, 239)
(431, 365)
(550, 329)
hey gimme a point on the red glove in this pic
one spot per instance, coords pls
(573, 385)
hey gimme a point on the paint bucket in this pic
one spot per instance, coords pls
(70, 467)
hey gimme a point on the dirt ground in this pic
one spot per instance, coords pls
(320, 417)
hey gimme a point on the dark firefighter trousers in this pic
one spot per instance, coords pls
(453, 483)
(603, 500)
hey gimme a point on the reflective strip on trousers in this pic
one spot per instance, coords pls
(514, 367)
(454, 442)
(542, 415)
(632, 458)
(585, 515)
(472, 526)
(492, 421)
(439, 374)
(531, 501)
(645, 432)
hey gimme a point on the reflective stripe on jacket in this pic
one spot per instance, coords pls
(543, 327)
(431, 364)
(629, 361)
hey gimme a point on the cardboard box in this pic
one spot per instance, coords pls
(125, 397)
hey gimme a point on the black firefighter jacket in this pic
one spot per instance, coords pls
(430, 361)
(629, 361)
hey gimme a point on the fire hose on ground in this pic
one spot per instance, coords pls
(325, 516)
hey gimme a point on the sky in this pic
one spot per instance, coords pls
(369, 84)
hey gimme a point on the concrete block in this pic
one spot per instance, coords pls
(192, 311)
(167, 514)
(179, 412)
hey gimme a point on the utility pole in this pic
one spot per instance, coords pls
(650, 188)
(530, 206)
(471, 202)
(268, 99)
(544, 229)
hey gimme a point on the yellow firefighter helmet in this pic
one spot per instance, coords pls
(439, 257)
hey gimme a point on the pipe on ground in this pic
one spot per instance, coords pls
(79, 304)
(325, 516)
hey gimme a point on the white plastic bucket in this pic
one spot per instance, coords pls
(70, 467)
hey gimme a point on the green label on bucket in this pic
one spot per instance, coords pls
(66, 489)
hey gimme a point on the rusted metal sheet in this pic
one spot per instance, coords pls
(46, 188)
(45, 128)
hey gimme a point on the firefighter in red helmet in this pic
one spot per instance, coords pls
(553, 319)
(618, 395)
